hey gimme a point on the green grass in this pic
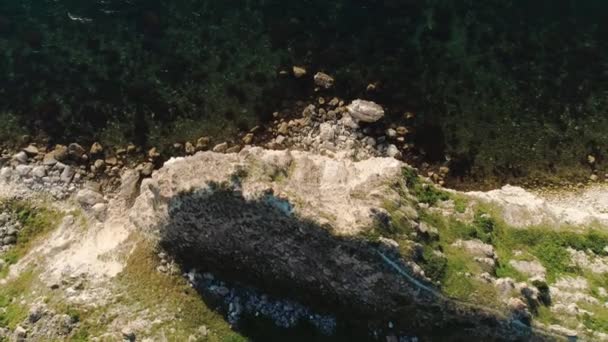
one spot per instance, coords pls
(147, 289)
(424, 192)
(460, 203)
(598, 321)
(13, 313)
(36, 221)
(546, 244)
(435, 266)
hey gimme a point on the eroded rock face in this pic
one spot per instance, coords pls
(338, 192)
(521, 208)
(286, 222)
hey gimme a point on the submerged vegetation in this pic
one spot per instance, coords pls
(505, 89)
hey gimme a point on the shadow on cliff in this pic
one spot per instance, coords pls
(260, 243)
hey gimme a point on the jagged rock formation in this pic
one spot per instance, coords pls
(338, 192)
(287, 222)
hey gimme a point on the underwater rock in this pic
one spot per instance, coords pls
(324, 80)
(298, 72)
(366, 111)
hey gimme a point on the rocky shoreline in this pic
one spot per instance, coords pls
(341, 178)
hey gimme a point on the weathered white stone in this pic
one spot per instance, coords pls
(530, 268)
(23, 170)
(328, 190)
(220, 148)
(39, 172)
(20, 157)
(326, 132)
(366, 111)
(88, 198)
(392, 151)
(6, 173)
(476, 248)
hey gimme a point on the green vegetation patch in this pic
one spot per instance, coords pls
(149, 290)
(36, 220)
(12, 312)
(424, 192)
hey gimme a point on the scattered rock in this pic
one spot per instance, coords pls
(476, 248)
(248, 139)
(220, 148)
(99, 165)
(36, 312)
(128, 334)
(280, 140)
(393, 152)
(23, 170)
(147, 169)
(563, 331)
(88, 198)
(96, 148)
(189, 148)
(324, 80)
(31, 150)
(366, 111)
(112, 160)
(234, 149)
(202, 143)
(130, 149)
(298, 72)
(153, 153)
(402, 130)
(20, 334)
(129, 185)
(283, 128)
(67, 174)
(61, 153)
(75, 151)
(99, 210)
(20, 157)
(529, 268)
(326, 132)
(505, 286)
(39, 172)
(391, 133)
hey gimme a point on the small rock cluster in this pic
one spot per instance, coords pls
(62, 170)
(41, 172)
(237, 301)
(9, 229)
(41, 324)
(166, 265)
(329, 127)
